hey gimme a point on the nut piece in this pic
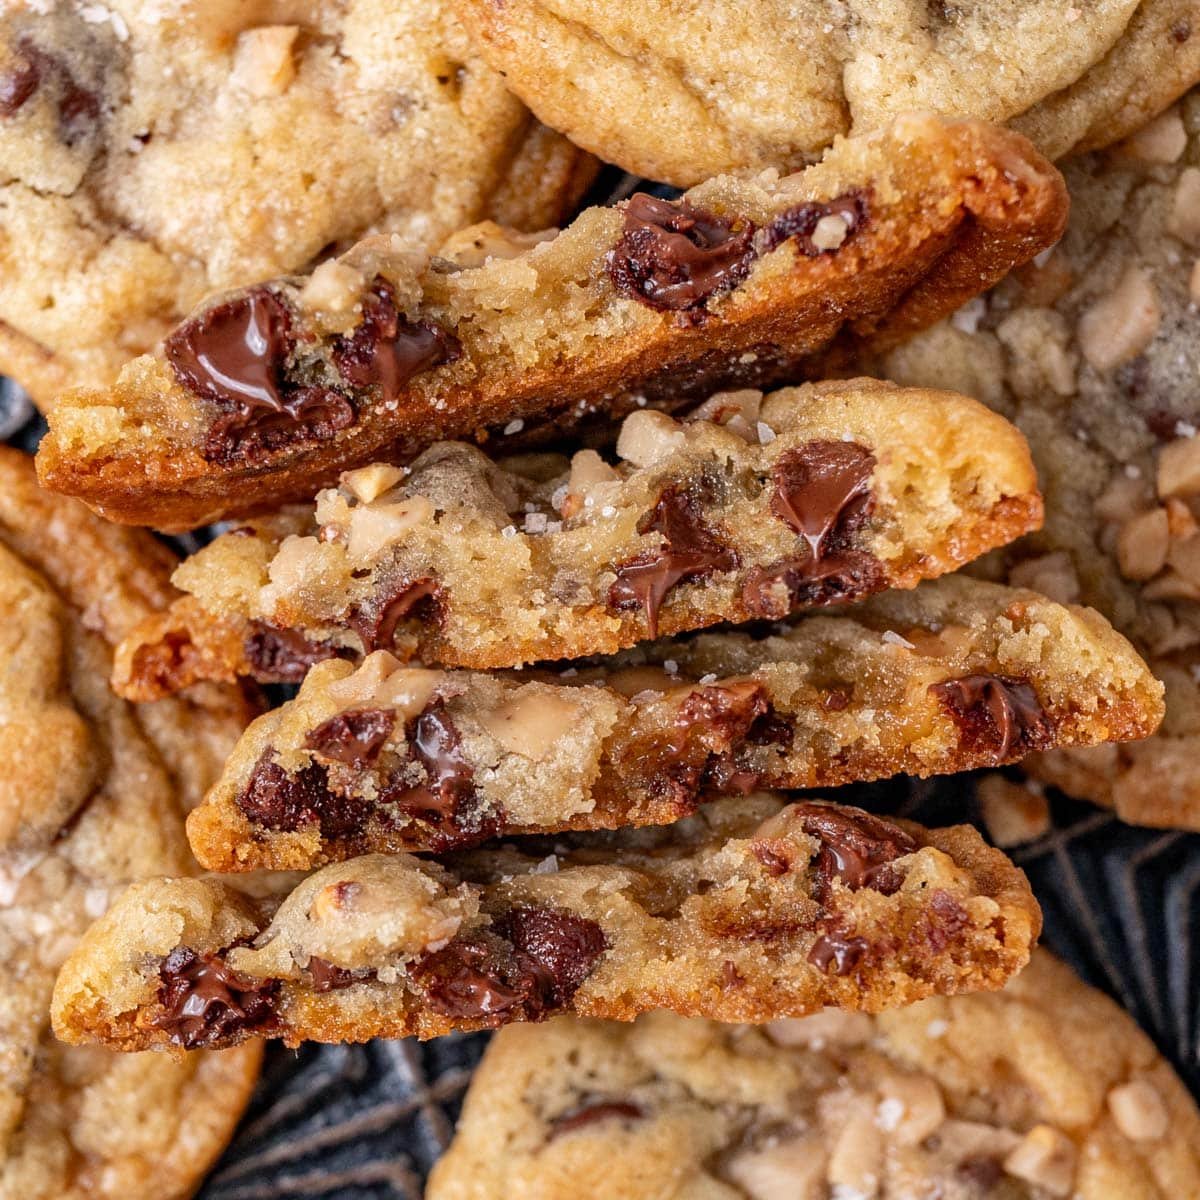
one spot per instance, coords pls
(1142, 544)
(262, 62)
(1184, 219)
(857, 1154)
(1122, 324)
(1138, 1110)
(1045, 1158)
(910, 1108)
(1013, 814)
(1053, 575)
(334, 288)
(588, 470)
(376, 526)
(369, 483)
(1179, 468)
(648, 436)
(791, 1170)
(829, 232)
(1162, 141)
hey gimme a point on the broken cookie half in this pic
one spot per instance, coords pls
(750, 909)
(807, 497)
(266, 394)
(383, 757)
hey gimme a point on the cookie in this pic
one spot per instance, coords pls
(151, 156)
(1095, 353)
(748, 910)
(266, 394)
(678, 94)
(812, 497)
(94, 795)
(1044, 1089)
(957, 675)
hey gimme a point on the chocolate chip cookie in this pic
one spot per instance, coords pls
(958, 674)
(151, 156)
(679, 93)
(1045, 1089)
(93, 797)
(813, 496)
(265, 394)
(748, 910)
(1094, 350)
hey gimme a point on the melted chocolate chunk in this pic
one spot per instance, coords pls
(856, 848)
(18, 84)
(536, 964)
(277, 655)
(206, 1004)
(376, 622)
(275, 799)
(774, 591)
(234, 353)
(799, 223)
(995, 714)
(673, 256)
(329, 978)
(386, 349)
(843, 953)
(311, 414)
(689, 551)
(824, 489)
(354, 738)
(590, 1114)
(773, 863)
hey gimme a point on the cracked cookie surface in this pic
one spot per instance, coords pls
(1043, 1089)
(265, 395)
(677, 93)
(1094, 353)
(152, 154)
(956, 675)
(747, 910)
(809, 497)
(94, 797)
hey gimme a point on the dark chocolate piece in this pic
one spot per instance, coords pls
(326, 977)
(375, 621)
(285, 655)
(797, 224)
(354, 738)
(689, 552)
(558, 947)
(206, 1004)
(843, 953)
(823, 487)
(589, 1114)
(774, 591)
(673, 256)
(856, 848)
(275, 799)
(995, 714)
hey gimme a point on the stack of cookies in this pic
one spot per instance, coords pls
(551, 564)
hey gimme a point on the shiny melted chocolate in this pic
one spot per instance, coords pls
(277, 799)
(376, 621)
(277, 655)
(354, 738)
(204, 1003)
(823, 491)
(996, 714)
(856, 848)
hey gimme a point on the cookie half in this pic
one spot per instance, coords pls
(1043, 1089)
(264, 395)
(678, 93)
(814, 496)
(151, 156)
(1095, 352)
(93, 797)
(748, 910)
(956, 675)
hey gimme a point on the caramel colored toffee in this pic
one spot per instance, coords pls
(267, 394)
(750, 909)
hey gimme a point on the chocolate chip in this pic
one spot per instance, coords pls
(823, 491)
(250, 435)
(354, 738)
(560, 947)
(856, 848)
(589, 1114)
(329, 978)
(276, 799)
(844, 953)
(535, 962)
(1181, 31)
(277, 655)
(772, 592)
(18, 84)
(386, 349)
(996, 714)
(773, 863)
(235, 352)
(673, 256)
(799, 223)
(689, 552)
(376, 621)
(206, 1004)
